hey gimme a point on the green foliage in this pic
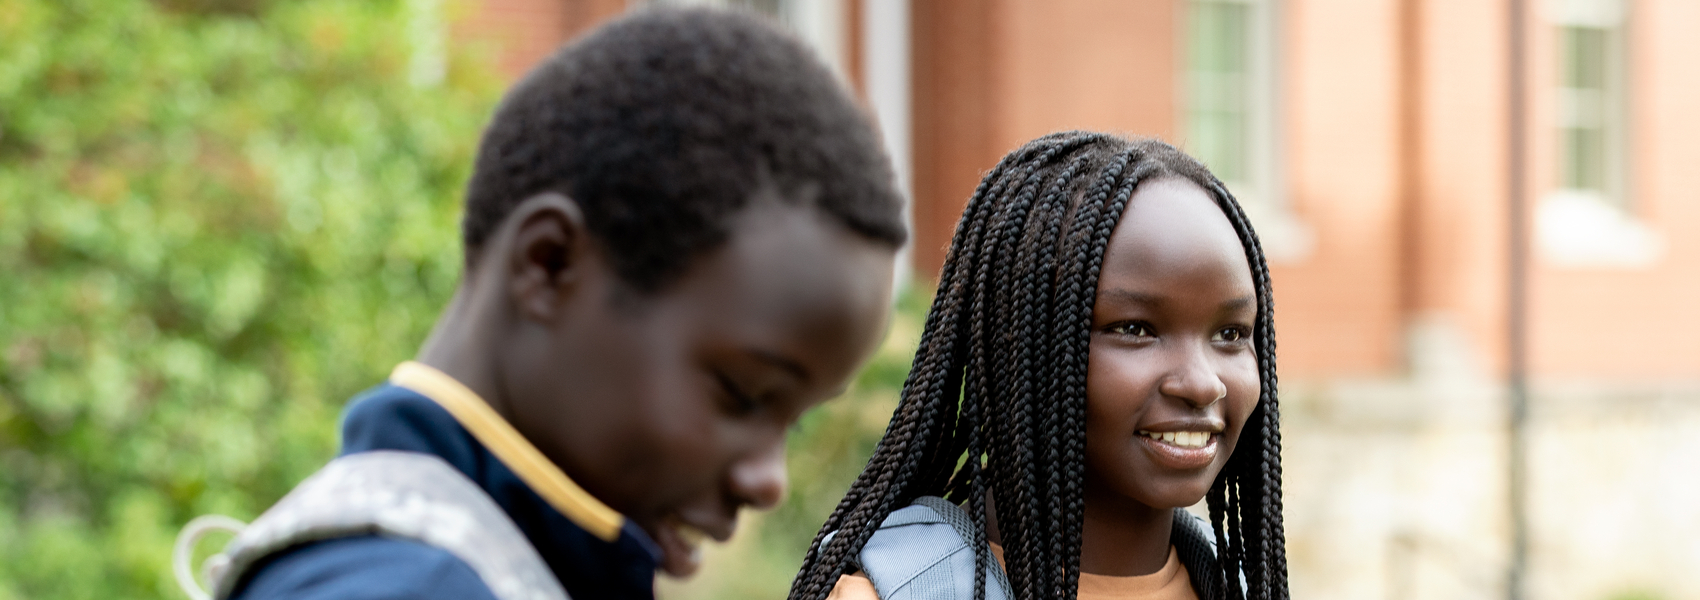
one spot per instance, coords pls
(219, 219)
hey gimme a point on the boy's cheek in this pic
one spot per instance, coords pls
(685, 459)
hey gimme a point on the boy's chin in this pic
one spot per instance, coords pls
(681, 551)
(679, 565)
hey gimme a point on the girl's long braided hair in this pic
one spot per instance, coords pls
(996, 397)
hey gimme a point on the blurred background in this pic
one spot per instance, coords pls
(219, 219)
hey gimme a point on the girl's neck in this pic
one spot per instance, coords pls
(1122, 537)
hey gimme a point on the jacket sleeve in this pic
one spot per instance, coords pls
(365, 568)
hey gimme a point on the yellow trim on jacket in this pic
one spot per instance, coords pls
(511, 448)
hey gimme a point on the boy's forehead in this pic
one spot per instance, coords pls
(780, 256)
(788, 278)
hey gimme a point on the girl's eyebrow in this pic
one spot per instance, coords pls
(1132, 296)
(1239, 303)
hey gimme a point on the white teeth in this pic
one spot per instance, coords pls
(1184, 439)
(692, 536)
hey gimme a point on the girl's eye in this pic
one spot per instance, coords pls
(1133, 329)
(1230, 334)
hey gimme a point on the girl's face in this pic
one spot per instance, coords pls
(1172, 374)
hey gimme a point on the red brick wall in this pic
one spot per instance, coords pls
(991, 75)
(1632, 322)
(1393, 152)
(954, 111)
(522, 32)
(1337, 310)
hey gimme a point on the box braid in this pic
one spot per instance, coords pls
(996, 397)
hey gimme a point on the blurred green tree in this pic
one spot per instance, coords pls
(218, 220)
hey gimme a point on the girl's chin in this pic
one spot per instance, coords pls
(1147, 493)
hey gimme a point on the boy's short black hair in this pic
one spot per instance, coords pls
(664, 124)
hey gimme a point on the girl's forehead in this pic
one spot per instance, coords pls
(1172, 227)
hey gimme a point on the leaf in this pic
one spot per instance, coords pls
(219, 220)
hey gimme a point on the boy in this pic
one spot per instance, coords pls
(679, 235)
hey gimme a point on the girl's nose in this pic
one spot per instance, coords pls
(1194, 379)
(759, 479)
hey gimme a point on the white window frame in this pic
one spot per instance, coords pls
(1593, 228)
(1260, 191)
(1607, 16)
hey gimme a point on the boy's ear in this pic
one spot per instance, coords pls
(546, 262)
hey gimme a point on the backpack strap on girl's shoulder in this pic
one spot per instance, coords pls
(1195, 543)
(921, 552)
(960, 520)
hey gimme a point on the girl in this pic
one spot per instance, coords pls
(1100, 353)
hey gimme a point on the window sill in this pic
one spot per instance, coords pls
(1286, 239)
(1583, 230)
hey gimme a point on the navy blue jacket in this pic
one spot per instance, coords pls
(390, 417)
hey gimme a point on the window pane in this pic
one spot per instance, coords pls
(1585, 153)
(1218, 82)
(1584, 110)
(1585, 57)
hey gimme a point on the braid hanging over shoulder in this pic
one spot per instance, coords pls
(995, 400)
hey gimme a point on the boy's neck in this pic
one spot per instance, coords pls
(459, 347)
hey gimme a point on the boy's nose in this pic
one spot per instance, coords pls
(1193, 379)
(759, 479)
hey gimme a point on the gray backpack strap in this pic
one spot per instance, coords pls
(398, 494)
(922, 552)
(964, 526)
(1195, 542)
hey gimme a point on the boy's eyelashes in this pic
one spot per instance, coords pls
(739, 402)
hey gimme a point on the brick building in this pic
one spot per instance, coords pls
(1369, 140)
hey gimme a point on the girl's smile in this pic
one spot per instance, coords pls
(1182, 450)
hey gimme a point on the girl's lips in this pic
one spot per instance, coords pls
(1181, 458)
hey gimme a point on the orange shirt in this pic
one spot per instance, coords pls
(1169, 583)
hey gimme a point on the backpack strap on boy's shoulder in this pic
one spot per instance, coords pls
(397, 494)
(921, 552)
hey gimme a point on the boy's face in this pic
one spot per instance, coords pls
(1172, 373)
(672, 408)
